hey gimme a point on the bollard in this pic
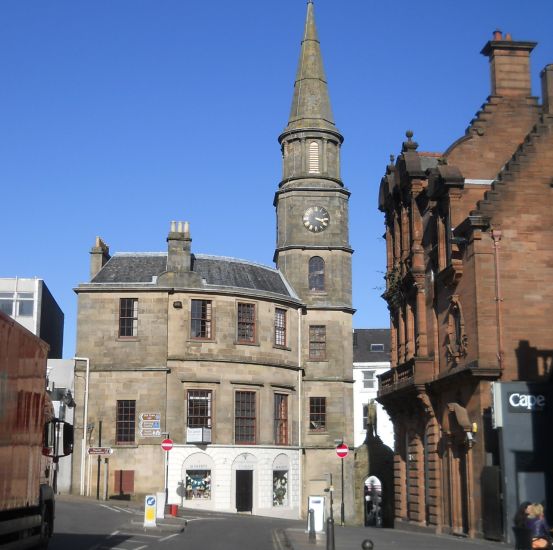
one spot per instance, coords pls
(330, 534)
(312, 537)
(367, 544)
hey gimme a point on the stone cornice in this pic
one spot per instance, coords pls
(329, 379)
(104, 368)
(319, 188)
(344, 308)
(232, 361)
(215, 291)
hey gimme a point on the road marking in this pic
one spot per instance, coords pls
(126, 510)
(113, 534)
(167, 538)
(141, 547)
(110, 508)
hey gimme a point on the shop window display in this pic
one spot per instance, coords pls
(280, 488)
(198, 484)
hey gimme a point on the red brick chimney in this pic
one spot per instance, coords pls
(509, 65)
(547, 89)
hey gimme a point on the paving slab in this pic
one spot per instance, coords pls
(351, 538)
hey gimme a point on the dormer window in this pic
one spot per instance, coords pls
(314, 158)
(377, 347)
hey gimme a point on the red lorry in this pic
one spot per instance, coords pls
(31, 439)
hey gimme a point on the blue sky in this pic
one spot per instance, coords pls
(119, 116)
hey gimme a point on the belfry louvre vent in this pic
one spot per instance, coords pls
(313, 157)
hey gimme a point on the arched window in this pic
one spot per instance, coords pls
(316, 273)
(314, 158)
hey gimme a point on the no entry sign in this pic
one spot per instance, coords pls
(342, 450)
(167, 444)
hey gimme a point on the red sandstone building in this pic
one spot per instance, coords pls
(469, 286)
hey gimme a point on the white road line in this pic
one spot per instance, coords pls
(110, 508)
(168, 537)
(113, 534)
(141, 547)
(126, 510)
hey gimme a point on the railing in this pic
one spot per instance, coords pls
(397, 376)
(405, 372)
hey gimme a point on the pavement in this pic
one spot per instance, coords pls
(352, 538)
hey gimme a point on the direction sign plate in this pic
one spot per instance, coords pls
(100, 451)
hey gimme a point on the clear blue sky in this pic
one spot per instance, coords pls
(117, 117)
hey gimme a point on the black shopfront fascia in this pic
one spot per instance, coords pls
(523, 416)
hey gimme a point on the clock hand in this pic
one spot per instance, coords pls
(323, 220)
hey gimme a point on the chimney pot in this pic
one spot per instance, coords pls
(509, 66)
(508, 37)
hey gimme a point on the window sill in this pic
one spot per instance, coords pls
(284, 348)
(126, 445)
(317, 360)
(318, 432)
(240, 343)
(128, 339)
(203, 340)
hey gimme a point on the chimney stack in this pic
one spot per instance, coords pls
(509, 65)
(99, 255)
(547, 89)
(179, 245)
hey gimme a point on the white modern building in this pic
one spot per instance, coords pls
(30, 303)
(371, 357)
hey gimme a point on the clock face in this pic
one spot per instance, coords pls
(316, 219)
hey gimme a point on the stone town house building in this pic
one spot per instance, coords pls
(248, 368)
(470, 293)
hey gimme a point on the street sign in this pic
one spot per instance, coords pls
(167, 444)
(342, 450)
(150, 511)
(149, 424)
(101, 451)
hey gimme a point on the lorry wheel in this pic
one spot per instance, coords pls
(46, 526)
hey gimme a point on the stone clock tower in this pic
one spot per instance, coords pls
(314, 254)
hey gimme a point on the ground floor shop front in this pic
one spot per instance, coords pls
(251, 479)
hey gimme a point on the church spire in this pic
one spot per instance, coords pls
(311, 103)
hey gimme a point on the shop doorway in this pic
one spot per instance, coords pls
(244, 490)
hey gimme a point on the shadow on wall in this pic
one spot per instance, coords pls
(534, 364)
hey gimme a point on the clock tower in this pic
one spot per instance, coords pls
(314, 254)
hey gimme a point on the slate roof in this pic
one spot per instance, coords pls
(362, 340)
(216, 271)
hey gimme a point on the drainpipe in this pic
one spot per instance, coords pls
(85, 420)
(300, 422)
(496, 236)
